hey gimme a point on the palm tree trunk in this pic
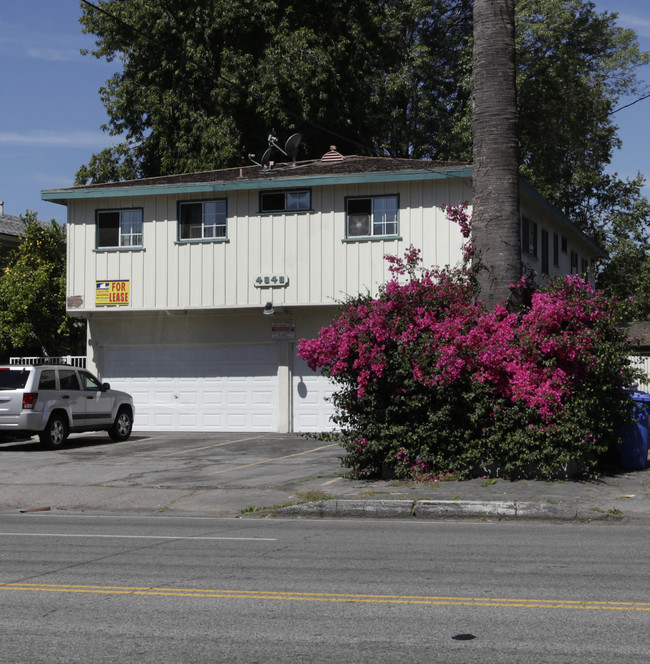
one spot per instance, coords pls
(496, 221)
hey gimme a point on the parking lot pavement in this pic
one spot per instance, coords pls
(250, 474)
(216, 474)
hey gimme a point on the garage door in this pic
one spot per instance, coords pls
(312, 408)
(223, 388)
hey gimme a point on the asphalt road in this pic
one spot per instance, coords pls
(183, 589)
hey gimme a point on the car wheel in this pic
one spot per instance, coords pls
(122, 426)
(55, 432)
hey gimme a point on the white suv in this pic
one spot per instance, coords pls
(52, 400)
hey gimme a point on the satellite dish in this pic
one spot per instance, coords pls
(266, 158)
(291, 146)
(273, 142)
(290, 150)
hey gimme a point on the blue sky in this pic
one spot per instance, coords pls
(50, 111)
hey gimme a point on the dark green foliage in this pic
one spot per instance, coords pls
(33, 317)
(627, 236)
(203, 82)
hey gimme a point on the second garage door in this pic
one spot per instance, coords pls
(312, 406)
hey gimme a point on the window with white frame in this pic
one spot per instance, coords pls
(119, 229)
(298, 200)
(372, 216)
(203, 220)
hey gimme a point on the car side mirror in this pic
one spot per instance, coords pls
(105, 387)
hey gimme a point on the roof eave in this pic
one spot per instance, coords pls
(268, 181)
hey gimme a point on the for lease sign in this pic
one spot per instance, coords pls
(112, 293)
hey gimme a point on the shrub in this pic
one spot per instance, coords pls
(429, 384)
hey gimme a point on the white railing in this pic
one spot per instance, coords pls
(72, 360)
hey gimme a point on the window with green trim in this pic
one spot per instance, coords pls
(371, 216)
(285, 201)
(203, 220)
(119, 228)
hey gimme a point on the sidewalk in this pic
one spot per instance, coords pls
(284, 475)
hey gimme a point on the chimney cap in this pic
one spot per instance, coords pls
(332, 155)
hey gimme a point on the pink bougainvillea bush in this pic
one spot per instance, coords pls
(430, 385)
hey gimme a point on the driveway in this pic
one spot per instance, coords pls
(210, 473)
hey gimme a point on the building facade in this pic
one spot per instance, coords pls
(197, 287)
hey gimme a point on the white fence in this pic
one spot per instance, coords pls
(73, 360)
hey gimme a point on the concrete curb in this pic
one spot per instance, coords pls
(397, 509)
(438, 509)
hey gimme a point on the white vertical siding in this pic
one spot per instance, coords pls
(309, 248)
(643, 362)
(536, 212)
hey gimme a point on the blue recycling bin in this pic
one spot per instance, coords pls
(633, 451)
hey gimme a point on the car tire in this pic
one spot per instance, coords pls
(122, 426)
(55, 432)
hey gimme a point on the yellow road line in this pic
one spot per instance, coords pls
(585, 605)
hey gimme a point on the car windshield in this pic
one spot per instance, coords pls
(12, 379)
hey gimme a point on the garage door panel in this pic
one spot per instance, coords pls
(213, 421)
(162, 421)
(213, 398)
(262, 397)
(187, 420)
(236, 421)
(237, 398)
(229, 388)
(261, 422)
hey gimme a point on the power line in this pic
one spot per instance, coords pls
(182, 56)
(636, 101)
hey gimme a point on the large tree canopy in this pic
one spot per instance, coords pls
(201, 84)
(204, 82)
(574, 66)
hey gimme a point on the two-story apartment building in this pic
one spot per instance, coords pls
(197, 287)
